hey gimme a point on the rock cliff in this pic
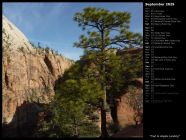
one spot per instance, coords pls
(130, 105)
(29, 74)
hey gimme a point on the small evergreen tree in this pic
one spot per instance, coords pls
(47, 49)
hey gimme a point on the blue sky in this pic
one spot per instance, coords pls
(52, 23)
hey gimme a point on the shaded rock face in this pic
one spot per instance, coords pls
(130, 131)
(28, 76)
(23, 121)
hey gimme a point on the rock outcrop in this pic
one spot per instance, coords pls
(130, 105)
(29, 74)
(129, 108)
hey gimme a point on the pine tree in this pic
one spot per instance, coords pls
(106, 31)
(73, 106)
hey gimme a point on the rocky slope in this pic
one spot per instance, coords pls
(28, 75)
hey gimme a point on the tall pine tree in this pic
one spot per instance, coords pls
(106, 31)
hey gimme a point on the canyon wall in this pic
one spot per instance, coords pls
(29, 75)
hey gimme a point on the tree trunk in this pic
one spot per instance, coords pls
(104, 132)
(115, 116)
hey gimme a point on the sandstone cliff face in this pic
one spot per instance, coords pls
(28, 76)
(130, 105)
